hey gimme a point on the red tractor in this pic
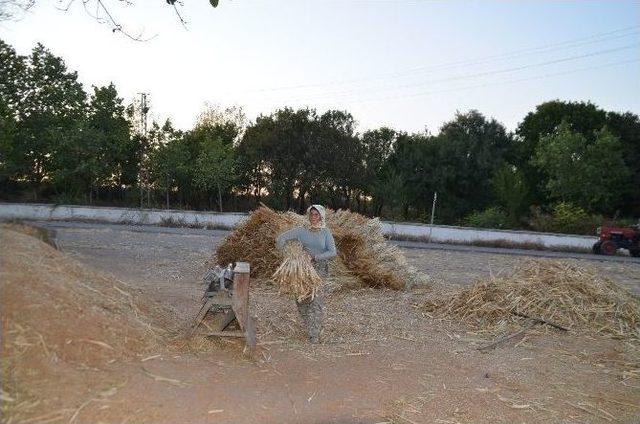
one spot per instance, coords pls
(614, 238)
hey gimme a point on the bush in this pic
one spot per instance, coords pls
(493, 217)
(565, 218)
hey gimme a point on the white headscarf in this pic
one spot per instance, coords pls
(323, 214)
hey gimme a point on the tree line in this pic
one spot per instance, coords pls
(567, 166)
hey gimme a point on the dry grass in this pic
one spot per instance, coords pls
(59, 318)
(296, 275)
(556, 291)
(364, 256)
(43, 234)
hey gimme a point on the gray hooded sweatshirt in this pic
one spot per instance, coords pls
(317, 241)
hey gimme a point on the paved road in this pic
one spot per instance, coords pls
(404, 244)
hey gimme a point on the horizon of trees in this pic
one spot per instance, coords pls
(61, 144)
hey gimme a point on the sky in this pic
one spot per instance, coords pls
(406, 64)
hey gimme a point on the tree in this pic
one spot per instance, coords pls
(511, 192)
(410, 172)
(170, 161)
(101, 152)
(333, 163)
(378, 145)
(52, 107)
(100, 10)
(479, 148)
(8, 159)
(215, 167)
(278, 148)
(106, 115)
(12, 86)
(626, 127)
(226, 124)
(584, 117)
(458, 163)
(590, 174)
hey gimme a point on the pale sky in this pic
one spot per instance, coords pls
(405, 64)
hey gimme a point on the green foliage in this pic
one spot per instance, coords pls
(379, 181)
(586, 119)
(170, 161)
(458, 163)
(591, 174)
(215, 167)
(493, 217)
(511, 192)
(565, 218)
(568, 217)
(626, 127)
(295, 154)
(8, 143)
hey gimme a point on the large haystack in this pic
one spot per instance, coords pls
(365, 258)
(59, 319)
(568, 295)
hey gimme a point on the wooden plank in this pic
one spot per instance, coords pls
(226, 320)
(250, 332)
(242, 268)
(201, 314)
(240, 301)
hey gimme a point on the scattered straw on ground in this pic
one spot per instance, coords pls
(365, 258)
(565, 294)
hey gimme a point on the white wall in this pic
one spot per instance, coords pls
(444, 233)
(117, 215)
(437, 233)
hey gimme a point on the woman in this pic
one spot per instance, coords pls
(316, 239)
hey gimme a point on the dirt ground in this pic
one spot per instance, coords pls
(383, 359)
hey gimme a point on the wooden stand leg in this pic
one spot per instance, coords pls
(240, 302)
(226, 320)
(201, 314)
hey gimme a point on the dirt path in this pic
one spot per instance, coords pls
(383, 359)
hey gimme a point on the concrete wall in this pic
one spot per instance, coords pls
(118, 215)
(437, 233)
(444, 233)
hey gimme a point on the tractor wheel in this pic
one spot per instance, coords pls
(596, 248)
(635, 253)
(608, 248)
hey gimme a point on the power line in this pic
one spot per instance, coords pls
(563, 45)
(498, 83)
(347, 93)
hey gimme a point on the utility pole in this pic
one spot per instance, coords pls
(433, 213)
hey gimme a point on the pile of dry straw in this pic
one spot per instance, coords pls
(364, 256)
(556, 291)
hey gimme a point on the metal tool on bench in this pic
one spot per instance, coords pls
(226, 296)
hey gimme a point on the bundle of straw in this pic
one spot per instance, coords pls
(556, 291)
(254, 241)
(365, 258)
(296, 275)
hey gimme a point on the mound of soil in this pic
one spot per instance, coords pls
(60, 320)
